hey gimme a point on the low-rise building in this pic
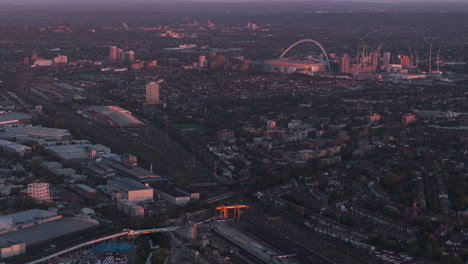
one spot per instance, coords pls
(129, 189)
(172, 195)
(11, 248)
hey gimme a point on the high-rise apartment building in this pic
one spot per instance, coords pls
(405, 60)
(374, 60)
(131, 56)
(152, 92)
(202, 62)
(386, 58)
(112, 53)
(344, 63)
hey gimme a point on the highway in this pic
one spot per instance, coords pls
(126, 232)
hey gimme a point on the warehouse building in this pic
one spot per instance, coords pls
(35, 133)
(27, 219)
(10, 248)
(129, 189)
(40, 236)
(172, 195)
(8, 119)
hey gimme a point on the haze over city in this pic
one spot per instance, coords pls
(232, 131)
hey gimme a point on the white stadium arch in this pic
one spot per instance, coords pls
(308, 40)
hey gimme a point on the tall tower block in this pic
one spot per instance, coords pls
(152, 92)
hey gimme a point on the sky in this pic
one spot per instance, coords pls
(240, 1)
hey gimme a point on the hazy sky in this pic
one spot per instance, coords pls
(239, 1)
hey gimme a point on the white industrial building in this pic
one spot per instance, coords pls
(130, 190)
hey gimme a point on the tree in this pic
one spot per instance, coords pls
(179, 178)
(160, 255)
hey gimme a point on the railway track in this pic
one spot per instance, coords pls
(285, 245)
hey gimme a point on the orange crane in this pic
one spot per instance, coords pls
(224, 211)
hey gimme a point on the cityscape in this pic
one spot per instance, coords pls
(278, 132)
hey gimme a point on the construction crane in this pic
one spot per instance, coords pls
(224, 211)
(438, 60)
(125, 26)
(281, 256)
(411, 55)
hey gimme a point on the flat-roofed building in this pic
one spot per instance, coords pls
(14, 118)
(85, 190)
(39, 235)
(11, 248)
(18, 149)
(172, 195)
(130, 190)
(139, 174)
(36, 132)
(26, 219)
(39, 191)
(408, 118)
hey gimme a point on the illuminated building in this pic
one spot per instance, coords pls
(112, 53)
(373, 118)
(386, 58)
(39, 191)
(294, 66)
(60, 59)
(344, 63)
(202, 62)
(152, 92)
(408, 118)
(375, 60)
(405, 60)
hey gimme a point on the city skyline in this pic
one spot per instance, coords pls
(233, 132)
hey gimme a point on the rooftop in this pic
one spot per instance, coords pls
(51, 230)
(29, 216)
(7, 243)
(129, 185)
(114, 247)
(120, 116)
(39, 132)
(13, 116)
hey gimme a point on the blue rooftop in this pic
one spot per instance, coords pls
(114, 247)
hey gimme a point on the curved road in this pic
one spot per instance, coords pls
(126, 232)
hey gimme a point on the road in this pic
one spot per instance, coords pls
(126, 232)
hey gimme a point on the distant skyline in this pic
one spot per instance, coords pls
(245, 1)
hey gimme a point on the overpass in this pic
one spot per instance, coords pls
(126, 232)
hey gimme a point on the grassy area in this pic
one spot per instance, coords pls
(179, 127)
